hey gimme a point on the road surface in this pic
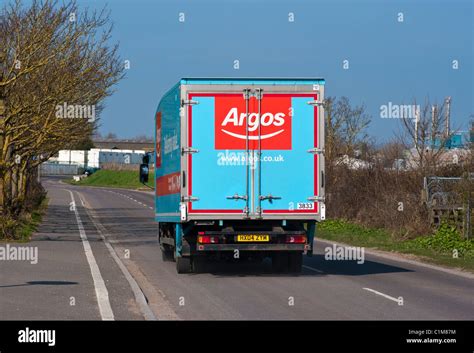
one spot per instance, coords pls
(98, 258)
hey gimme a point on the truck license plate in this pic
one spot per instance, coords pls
(252, 238)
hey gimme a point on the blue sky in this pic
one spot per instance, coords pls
(389, 61)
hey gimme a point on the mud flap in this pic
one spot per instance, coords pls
(311, 233)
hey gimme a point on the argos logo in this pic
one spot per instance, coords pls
(267, 119)
(230, 122)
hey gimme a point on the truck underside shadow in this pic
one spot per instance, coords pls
(317, 266)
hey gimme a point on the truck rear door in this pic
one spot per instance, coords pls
(217, 172)
(263, 167)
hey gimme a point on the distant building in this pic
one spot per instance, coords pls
(457, 140)
(146, 146)
(352, 163)
(471, 133)
(447, 156)
(99, 157)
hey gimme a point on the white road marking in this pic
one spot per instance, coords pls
(313, 269)
(383, 295)
(101, 292)
(130, 198)
(137, 292)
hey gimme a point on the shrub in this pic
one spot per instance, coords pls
(447, 239)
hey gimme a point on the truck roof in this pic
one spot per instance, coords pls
(252, 80)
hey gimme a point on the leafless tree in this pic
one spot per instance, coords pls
(345, 127)
(55, 57)
(426, 136)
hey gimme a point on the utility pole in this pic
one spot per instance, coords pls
(448, 116)
(417, 120)
(434, 125)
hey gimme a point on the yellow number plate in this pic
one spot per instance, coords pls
(252, 237)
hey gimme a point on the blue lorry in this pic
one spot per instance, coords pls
(239, 170)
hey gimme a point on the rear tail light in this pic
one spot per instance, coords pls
(207, 239)
(296, 239)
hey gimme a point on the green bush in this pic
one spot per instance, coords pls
(446, 239)
(342, 226)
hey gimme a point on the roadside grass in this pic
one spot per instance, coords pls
(127, 179)
(29, 223)
(440, 248)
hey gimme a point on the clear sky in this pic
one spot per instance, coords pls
(389, 60)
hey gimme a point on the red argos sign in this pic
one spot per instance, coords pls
(275, 121)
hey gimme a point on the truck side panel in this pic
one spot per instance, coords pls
(167, 158)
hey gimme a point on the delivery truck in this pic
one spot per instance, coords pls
(239, 170)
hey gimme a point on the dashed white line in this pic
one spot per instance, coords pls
(397, 300)
(101, 292)
(130, 198)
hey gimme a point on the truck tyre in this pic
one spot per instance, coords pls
(183, 264)
(295, 262)
(199, 264)
(280, 262)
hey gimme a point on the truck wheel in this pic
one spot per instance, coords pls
(183, 264)
(199, 264)
(280, 262)
(295, 262)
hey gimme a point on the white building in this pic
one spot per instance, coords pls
(352, 163)
(97, 157)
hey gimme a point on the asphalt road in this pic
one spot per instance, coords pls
(99, 259)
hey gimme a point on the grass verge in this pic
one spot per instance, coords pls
(127, 179)
(445, 247)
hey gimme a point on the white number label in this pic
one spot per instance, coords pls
(305, 206)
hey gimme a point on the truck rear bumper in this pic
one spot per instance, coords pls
(252, 247)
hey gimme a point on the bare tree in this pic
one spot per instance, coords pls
(345, 127)
(426, 135)
(58, 62)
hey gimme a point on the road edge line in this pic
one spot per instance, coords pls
(101, 292)
(137, 292)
